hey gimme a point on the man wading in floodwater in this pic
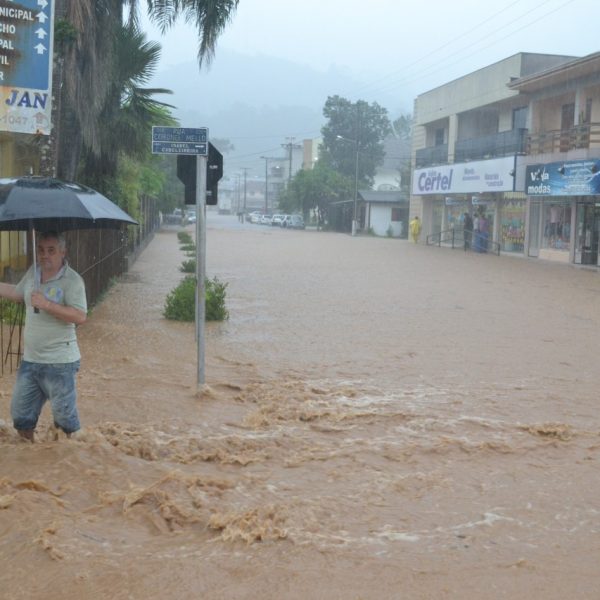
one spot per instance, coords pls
(56, 303)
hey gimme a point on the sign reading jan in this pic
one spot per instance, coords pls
(26, 34)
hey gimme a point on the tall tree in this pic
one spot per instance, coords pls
(86, 59)
(315, 189)
(351, 128)
(403, 126)
(129, 110)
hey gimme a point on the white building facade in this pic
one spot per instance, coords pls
(469, 139)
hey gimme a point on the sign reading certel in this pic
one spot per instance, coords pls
(26, 34)
(180, 140)
(495, 175)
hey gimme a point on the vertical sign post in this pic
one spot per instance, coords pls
(200, 262)
(26, 36)
(188, 141)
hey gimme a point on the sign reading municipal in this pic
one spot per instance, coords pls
(26, 34)
(180, 140)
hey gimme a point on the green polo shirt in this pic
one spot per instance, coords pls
(48, 339)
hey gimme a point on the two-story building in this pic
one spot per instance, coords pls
(560, 169)
(469, 140)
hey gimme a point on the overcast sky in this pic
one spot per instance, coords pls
(395, 46)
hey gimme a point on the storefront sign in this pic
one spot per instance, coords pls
(574, 178)
(26, 34)
(466, 178)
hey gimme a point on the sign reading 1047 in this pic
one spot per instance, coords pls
(180, 140)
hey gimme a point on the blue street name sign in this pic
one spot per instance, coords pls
(26, 44)
(180, 140)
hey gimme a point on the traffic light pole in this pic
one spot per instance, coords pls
(201, 163)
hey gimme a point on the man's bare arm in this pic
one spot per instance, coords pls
(9, 291)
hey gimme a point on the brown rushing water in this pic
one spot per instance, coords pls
(381, 420)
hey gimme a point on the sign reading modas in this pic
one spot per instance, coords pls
(26, 34)
(572, 178)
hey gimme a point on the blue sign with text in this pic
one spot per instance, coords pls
(571, 178)
(26, 44)
(180, 140)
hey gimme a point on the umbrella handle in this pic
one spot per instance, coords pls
(36, 310)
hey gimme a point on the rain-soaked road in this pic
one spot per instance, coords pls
(381, 421)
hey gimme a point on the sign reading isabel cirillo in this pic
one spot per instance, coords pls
(26, 34)
(466, 178)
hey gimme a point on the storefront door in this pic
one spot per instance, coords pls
(588, 234)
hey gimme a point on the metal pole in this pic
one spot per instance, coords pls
(245, 169)
(266, 186)
(201, 162)
(355, 214)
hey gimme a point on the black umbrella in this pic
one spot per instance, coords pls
(48, 204)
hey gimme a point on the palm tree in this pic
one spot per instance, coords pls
(129, 109)
(209, 16)
(86, 60)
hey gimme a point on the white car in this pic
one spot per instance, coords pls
(255, 217)
(276, 220)
(266, 219)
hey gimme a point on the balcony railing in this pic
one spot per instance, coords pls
(434, 155)
(563, 140)
(505, 143)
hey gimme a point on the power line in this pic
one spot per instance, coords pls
(436, 67)
(436, 50)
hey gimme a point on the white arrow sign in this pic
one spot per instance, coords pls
(41, 17)
(40, 48)
(42, 3)
(41, 33)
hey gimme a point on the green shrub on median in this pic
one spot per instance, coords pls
(180, 304)
(184, 237)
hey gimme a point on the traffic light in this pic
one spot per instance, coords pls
(186, 173)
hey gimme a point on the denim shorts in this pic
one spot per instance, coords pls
(36, 383)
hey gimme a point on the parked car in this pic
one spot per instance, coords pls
(255, 217)
(266, 219)
(276, 220)
(295, 222)
(285, 220)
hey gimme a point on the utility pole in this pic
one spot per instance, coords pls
(266, 159)
(238, 186)
(245, 169)
(289, 147)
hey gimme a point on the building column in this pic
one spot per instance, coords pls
(452, 135)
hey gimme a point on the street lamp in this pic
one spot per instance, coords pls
(266, 159)
(355, 212)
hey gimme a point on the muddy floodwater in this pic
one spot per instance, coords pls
(380, 421)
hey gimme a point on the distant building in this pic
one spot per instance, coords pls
(518, 141)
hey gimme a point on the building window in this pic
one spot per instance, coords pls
(513, 226)
(519, 118)
(439, 137)
(396, 214)
(557, 225)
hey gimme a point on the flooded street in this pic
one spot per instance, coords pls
(381, 421)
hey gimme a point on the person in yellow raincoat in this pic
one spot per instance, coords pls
(415, 229)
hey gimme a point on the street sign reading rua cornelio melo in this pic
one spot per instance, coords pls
(26, 34)
(180, 140)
